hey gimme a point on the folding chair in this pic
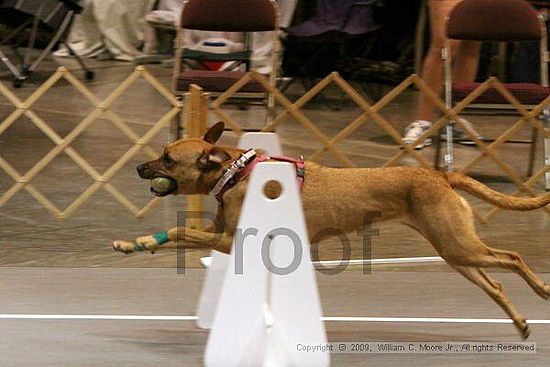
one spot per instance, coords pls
(53, 16)
(226, 16)
(500, 21)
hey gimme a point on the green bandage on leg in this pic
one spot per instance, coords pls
(161, 237)
(137, 247)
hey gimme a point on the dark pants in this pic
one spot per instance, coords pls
(525, 62)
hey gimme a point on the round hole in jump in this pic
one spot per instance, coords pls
(273, 189)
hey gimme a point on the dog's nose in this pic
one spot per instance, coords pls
(142, 169)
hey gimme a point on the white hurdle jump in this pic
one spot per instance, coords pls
(269, 301)
(217, 262)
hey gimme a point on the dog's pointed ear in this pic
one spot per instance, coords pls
(214, 133)
(213, 157)
(218, 155)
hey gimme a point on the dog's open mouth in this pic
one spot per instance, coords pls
(162, 186)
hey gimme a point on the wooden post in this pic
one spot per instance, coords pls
(196, 116)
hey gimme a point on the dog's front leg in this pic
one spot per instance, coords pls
(208, 237)
(193, 238)
(154, 242)
(143, 243)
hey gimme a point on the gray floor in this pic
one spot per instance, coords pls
(167, 343)
(49, 266)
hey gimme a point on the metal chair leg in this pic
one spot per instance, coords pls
(88, 74)
(178, 123)
(532, 152)
(547, 159)
(57, 36)
(437, 146)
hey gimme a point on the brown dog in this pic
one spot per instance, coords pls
(341, 198)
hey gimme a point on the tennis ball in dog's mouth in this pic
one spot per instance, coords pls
(162, 184)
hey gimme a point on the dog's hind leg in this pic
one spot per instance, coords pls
(494, 290)
(451, 231)
(471, 251)
(512, 261)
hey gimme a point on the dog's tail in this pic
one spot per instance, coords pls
(476, 188)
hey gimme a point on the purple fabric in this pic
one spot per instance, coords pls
(331, 15)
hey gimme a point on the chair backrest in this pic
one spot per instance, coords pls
(494, 20)
(229, 15)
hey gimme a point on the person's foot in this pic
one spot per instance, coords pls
(415, 130)
(459, 136)
(545, 115)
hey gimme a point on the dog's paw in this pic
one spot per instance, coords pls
(147, 243)
(124, 246)
(523, 328)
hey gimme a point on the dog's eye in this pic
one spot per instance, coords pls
(168, 161)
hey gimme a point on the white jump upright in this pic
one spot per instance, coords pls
(269, 302)
(217, 262)
(268, 142)
(211, 289)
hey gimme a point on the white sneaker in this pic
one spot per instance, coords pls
(415, 130)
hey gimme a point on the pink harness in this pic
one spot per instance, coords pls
(247, 170)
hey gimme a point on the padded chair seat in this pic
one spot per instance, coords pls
(211, 56)
(216, 81)
(526, 93)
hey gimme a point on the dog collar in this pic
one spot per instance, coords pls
(245, 164)
(229, 176)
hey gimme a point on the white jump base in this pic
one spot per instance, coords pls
(206, 261)
(387, 261)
